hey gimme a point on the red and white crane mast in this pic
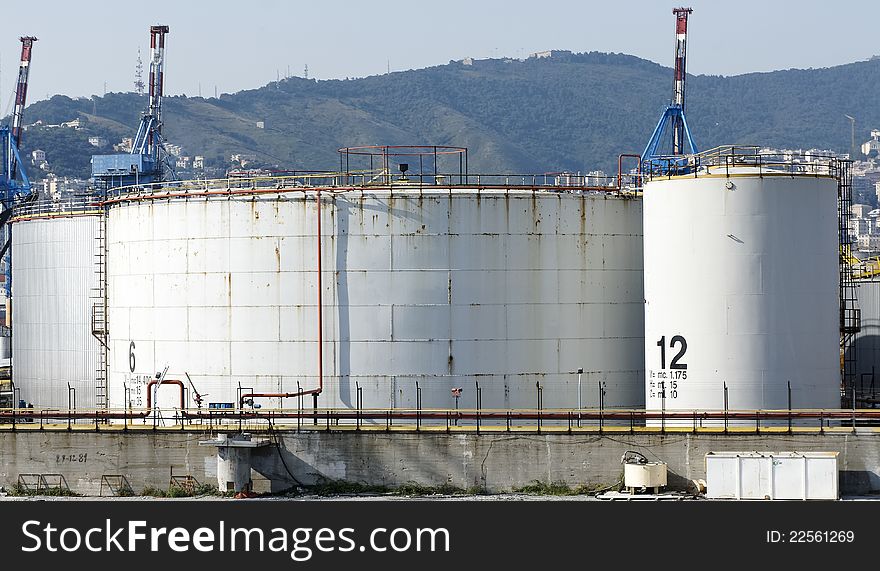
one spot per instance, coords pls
(27, 43)
(678, 86)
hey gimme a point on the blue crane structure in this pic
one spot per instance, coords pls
(144, 163)
(14, 183)
(673, 118)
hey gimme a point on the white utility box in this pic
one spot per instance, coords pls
(772, 475)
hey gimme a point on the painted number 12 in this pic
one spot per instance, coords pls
(676, 340)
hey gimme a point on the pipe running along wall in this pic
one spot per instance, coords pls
(319, 269)
(155, 382)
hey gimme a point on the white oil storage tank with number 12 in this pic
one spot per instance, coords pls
(434, 286)
(741, 283)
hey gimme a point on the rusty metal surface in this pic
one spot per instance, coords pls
(444, 287)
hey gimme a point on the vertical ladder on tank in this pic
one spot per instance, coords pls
(99, 312)
(850, 315)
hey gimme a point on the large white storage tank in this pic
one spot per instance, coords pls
(741, 286)
(54, 275)
(443, 287)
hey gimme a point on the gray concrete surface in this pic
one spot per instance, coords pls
(495, 462)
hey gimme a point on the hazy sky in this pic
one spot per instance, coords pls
(235, 44)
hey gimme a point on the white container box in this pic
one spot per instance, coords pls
(772, 475)
(650, 475)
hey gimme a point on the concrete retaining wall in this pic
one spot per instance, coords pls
(494, 462)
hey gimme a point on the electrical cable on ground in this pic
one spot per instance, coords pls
(274, 434)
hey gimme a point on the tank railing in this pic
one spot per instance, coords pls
(68, 207)
(365, 180)
(726, 159)
(558, 180)
(480, 420)
(403, 156)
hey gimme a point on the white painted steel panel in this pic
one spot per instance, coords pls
(865, 347)
(772, 475)
(745, 270)
(650, 475)
(53, 276)
(441, 287)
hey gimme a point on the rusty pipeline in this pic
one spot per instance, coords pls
(552, 414)
(627, 416)
(318, 272)
(320, 305)
(247, 396)
(165, 382)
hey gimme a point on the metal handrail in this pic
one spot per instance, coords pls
(367, 179)
(48, 208)
(725, 157)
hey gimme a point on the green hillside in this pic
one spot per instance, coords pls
(566, 112)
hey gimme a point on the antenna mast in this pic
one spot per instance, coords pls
(139, 75)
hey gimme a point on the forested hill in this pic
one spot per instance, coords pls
(565, 112)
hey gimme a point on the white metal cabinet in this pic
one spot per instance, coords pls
(772, 475)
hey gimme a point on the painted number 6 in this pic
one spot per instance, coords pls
(131, 361)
